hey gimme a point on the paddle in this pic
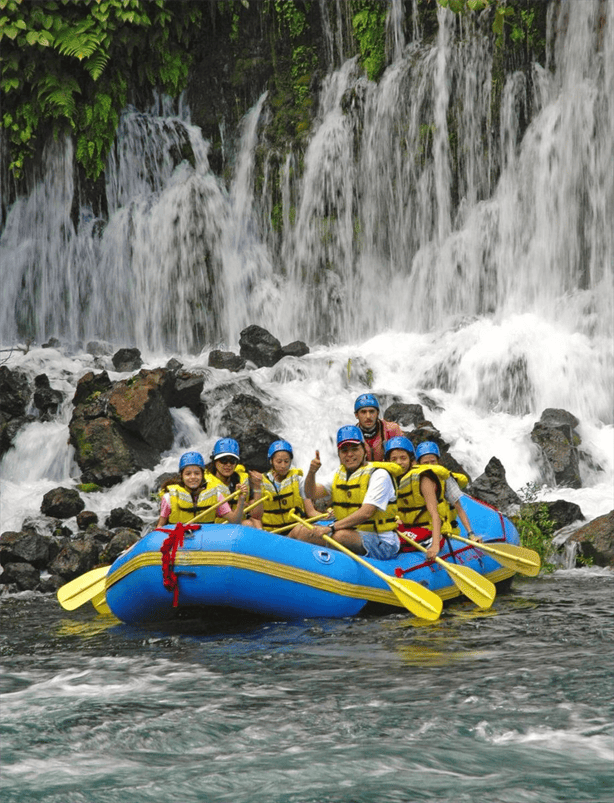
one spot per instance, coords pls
(520, 559)
(477, 588)
(300, 521)
(92, 584)
(418, 600)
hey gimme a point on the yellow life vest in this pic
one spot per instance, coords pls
(183, 507)
(348, 494)
(285, 496)
(462, 481)
(412, 504)
(243, 477)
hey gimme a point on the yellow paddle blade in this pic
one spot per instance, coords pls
(420, 601)
(518, 558)
(100, 603)
(471, 583)
(82, 589)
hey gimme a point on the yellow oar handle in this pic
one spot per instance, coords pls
(265, 496)
(219, 502)
(522, 559)
(298, 520)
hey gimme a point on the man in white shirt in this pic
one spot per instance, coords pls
(363, 499)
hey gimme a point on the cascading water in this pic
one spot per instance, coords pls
(448, 252)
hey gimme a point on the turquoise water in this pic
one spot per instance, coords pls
(514, 704)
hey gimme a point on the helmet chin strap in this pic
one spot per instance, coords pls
(369, 433)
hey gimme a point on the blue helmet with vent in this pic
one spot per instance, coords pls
(191, 459)
(349, 434)
(427, 447)
(366, 400)
(279, 446)
(225, 447)
(398, 442)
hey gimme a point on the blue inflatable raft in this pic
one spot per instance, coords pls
(251, 570)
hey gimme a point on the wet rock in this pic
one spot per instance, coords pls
(119, 428)
(99, 348)
(173, 364)
(50, 583)
(295, 349)
(62, 503)
(85, 518)
(75, 557)
(226, 359)
(563, 513)
(127, 360)
(99, 534)
(122, 539)
(27, 546)
(52, 343)
(14, 399)
(259, 346)
(254, 445)
(23, 576)
(357, 373)
(245, 412)
(46, 399)
(556, 436)
(14, 392)
(596, 540)
(408, 416)
(184, 389)
(123, 517)
(491, 487)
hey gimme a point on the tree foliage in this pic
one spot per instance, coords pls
(66, 66)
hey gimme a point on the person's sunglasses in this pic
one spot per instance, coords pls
(227, 461)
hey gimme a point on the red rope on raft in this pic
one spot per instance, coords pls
(169, 551)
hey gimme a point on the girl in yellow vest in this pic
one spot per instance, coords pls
(427, 453)
(285, 486)
(194, 492)
(420, 492)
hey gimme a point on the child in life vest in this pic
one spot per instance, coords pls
(196, 492)
(285, 487)
(427, 453)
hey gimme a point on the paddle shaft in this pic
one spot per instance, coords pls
(297, 520)
(418, 600)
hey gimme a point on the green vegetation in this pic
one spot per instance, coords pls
(65, 66)
(89, 487)
(369, 25)
(534, 525)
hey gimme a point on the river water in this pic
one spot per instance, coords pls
(510, 705)
(428, 253)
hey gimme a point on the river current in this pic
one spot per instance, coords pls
(510, 705)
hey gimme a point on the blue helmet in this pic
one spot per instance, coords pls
(366, 400)
(225, 447)
(191, 459)
(398, 442)
(279, 446)
(349, 434)
(427, 447)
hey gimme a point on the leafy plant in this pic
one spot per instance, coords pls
(534, 525)
(369, 25)
(65, 64)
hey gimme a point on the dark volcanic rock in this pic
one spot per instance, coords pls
(227, 360)
(76, 557)
(259, 346)
(408, 416)
(556, 436)
(85, 518)
(491, 487)
(295, 349)
(122, 517)
(122, 539)
(27, 546)
(244, 413)
(23, 576)
(62, 503)
(46, 399)
(596, 540)
(127, 360)
(14, 398)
